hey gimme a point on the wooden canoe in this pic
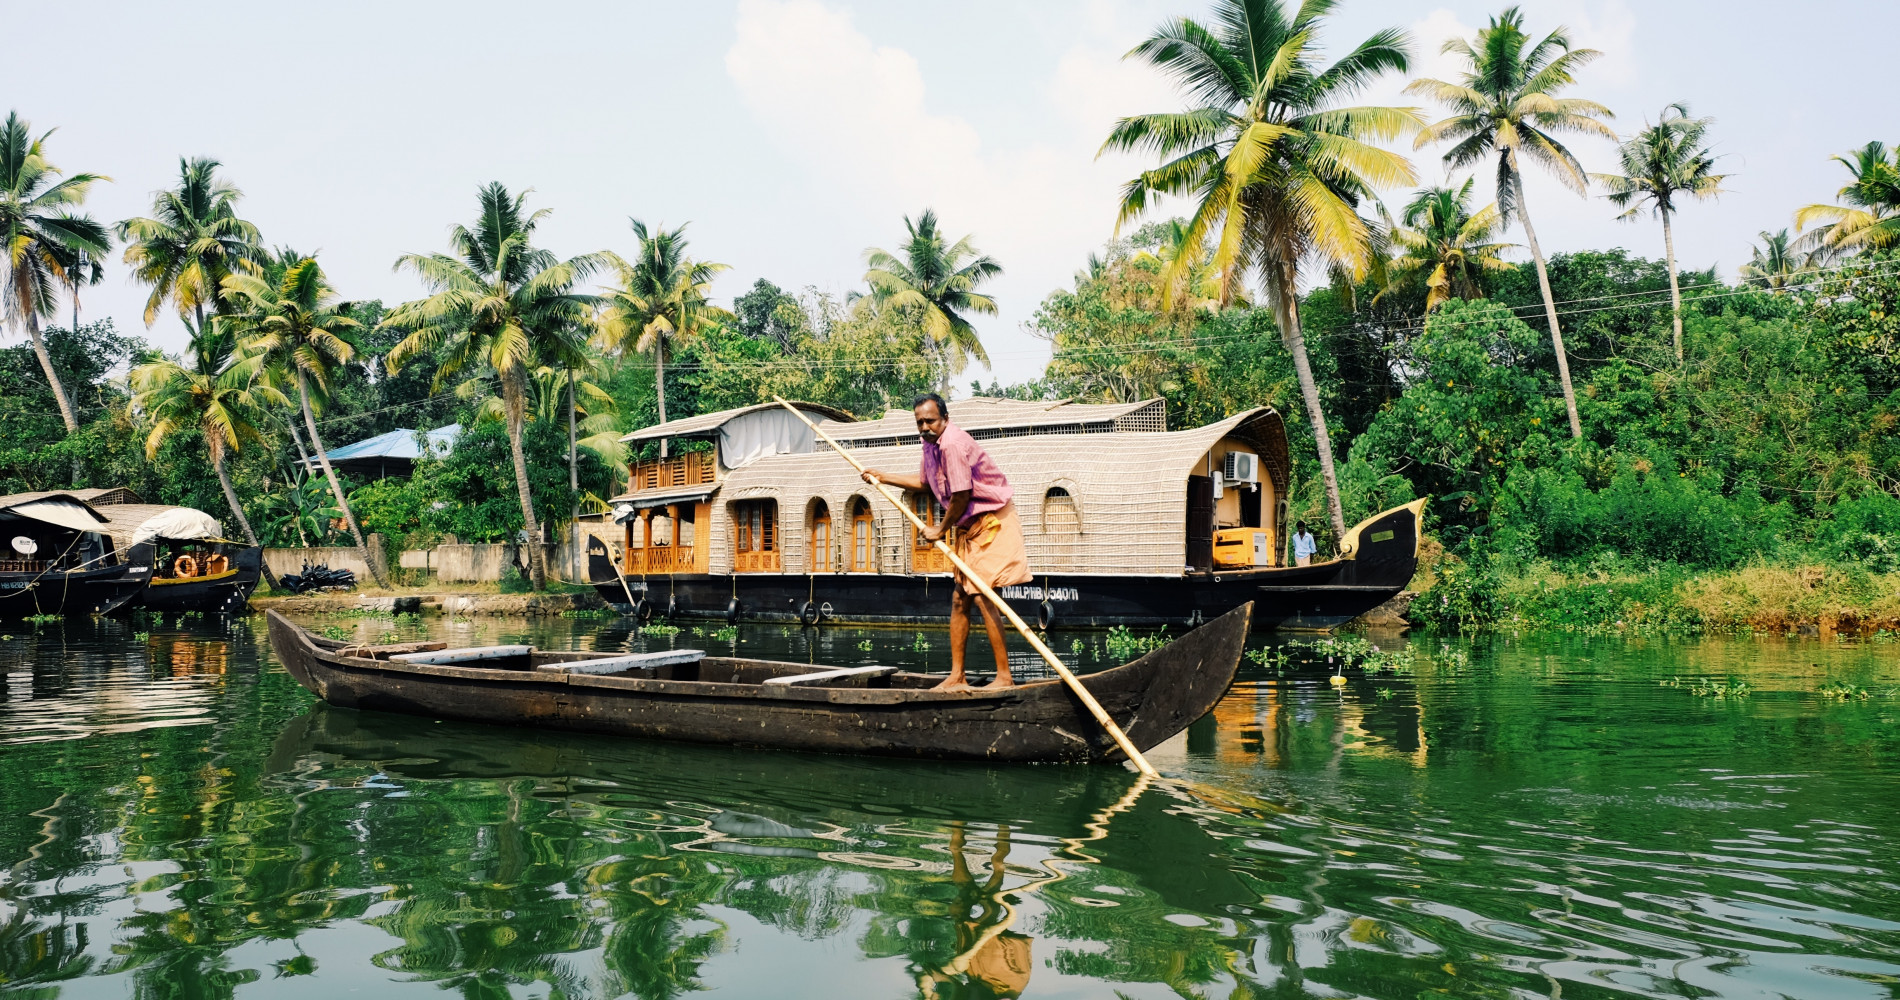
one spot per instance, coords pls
(763, 703)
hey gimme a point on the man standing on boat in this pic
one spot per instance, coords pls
(980, 520)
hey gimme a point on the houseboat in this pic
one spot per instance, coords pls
(1125, 522)
(194, 567)
(58, 556)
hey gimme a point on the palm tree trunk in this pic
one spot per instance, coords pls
(515, 399)
(1550, 304)
(237, 509)
(52, 377)
(1675, 289)
(659, 386)
(336, 488)
(573, 479)
(1309, 393)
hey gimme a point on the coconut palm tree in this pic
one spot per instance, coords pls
(1870, 215)
(1664, 162)
(1775, 264)
(191, 241)
(45, 244)
(224, 401)
(1444, 246)
(288, 317)
(1506, 105)
(659, 302)
(499, 304)
(1273, 160)
(937, 281)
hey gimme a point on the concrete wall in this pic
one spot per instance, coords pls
(486, 563)
(284, 562)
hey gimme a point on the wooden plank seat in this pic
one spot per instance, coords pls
(392, 649)
(467, 655)
(631, 661)
(827, 678)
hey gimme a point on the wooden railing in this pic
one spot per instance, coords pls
(662, 559)
(22, 565)
(691, 469)
(755, 562)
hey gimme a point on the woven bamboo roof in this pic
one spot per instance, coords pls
(1129, 489)
(708, 424)
(985, 418)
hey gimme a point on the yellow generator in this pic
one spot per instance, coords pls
(1241, 548)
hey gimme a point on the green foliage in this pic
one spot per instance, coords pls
(729, 633)
(660, 630)
(1124, 644)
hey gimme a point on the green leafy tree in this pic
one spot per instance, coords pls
(659, 302)
(288, 317)
(1505, 105)
(935, 282)
(1665, 162)
(1273, 162)
(192, 240)
(44, 242)
(222, 400)
(500, 304)
(1868, 216)
(1444, 246)
(1774, 263)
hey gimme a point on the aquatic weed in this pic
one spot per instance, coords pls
(728, 634)
(336, 632)
(590, 613)
(919, 644)
(1843, 691)
(662, 630)
(1124, 644)
(865, 645)
(42, 619)
(140, 636)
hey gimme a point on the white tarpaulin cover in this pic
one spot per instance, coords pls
(751, 436)
(62, 511)
(177, 522)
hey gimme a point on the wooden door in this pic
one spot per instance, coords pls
(1200, 523)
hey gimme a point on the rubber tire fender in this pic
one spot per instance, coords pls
(1045, 615)
(642, 610)
(808, 614)
(672, 607)
(732, 611)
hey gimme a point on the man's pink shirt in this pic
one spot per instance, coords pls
(956, 463)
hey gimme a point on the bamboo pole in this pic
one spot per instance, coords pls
(1088, 700)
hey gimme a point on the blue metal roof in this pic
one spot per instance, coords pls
(399, 443)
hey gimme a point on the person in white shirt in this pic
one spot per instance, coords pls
(1304, 545)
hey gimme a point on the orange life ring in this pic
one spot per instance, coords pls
(184, 566)
(216, 563)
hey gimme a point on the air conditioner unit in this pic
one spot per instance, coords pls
(1241, 467)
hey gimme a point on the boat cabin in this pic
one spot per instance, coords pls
(55, 532)
(1103, 489)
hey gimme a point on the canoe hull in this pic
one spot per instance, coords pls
(1153, 698)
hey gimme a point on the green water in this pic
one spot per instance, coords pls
(1535, 818)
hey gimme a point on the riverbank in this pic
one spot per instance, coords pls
(1816, 599)
(475, 603)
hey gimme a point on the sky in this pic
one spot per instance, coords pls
(793, 134)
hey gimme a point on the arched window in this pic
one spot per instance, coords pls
(755, 536)
(863, 552)
(924, 557)
(821, 553)
(1059, 513)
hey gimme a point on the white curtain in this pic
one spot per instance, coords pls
(749, 437)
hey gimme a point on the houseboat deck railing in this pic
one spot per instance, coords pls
(23, 565)
(755, 562)
(661, 559)
(691, 469)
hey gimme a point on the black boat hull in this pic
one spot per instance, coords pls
(1316, 598)
(226, 593)
(91, 592)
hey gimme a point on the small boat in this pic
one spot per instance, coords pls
(194, 568)
(688, 696)
(58, 557)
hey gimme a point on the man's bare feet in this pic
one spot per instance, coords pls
(955, 682)
(997, 684)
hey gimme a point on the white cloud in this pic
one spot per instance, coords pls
(857, 115)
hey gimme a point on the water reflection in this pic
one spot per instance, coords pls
(177, 820)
